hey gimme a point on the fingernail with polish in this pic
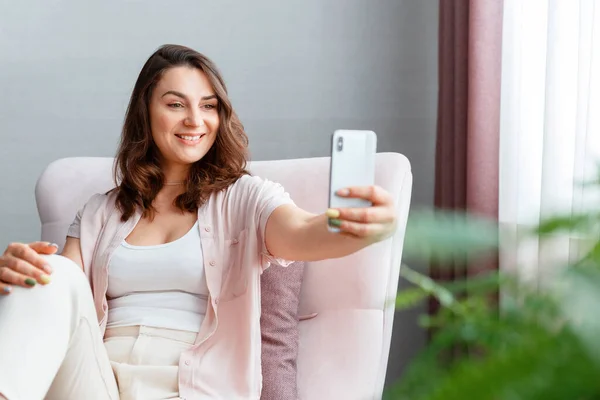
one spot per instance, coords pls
(7, 289)
(343, 192)
(45, 279)
(332, 213)
(47, 268)
(29, 282)
(53, 245)
(335, 222)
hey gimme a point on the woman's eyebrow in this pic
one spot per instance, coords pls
(183, 96)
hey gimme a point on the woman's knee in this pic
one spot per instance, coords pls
(68, 294)
(66, 274)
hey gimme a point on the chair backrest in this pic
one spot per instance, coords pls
(343, 351)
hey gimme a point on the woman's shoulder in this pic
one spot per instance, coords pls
(252, 186)
(100, 202)
(248, 178)
(249, 181)
(246, 181)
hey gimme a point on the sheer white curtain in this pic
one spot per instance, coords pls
(550, 124)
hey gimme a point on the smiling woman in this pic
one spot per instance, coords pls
(178, 109)
(173, 256)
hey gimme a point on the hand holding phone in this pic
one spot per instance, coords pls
(352, 165)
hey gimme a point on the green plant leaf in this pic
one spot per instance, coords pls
(482, 283)
(410, 297)
(447, 236)
(569, 223)
(477, 285)
(579, 300)
(592, 258)
(428, 286)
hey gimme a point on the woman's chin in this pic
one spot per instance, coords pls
(185, 158)
(189, 159)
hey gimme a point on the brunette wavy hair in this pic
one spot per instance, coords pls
(137, 173)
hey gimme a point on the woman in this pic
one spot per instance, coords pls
(175, 252)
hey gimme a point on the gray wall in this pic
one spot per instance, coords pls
(296, 71)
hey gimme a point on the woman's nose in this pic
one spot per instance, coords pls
(193, 119)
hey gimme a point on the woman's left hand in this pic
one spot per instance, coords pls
(374, 223)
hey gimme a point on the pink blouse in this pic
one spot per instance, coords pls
(225, 362)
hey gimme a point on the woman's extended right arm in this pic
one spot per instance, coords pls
(22, 264)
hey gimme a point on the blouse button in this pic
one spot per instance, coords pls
(212, 263)
(187, 362)
(207, 229)
(235, 241)
(216, 300)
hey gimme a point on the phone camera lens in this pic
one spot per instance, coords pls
(340, 144)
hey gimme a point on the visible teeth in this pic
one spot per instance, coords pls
(192, 138)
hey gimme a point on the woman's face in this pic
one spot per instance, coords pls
(184, 116)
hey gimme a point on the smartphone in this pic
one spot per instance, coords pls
(352, 164)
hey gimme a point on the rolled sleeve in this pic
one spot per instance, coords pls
(75, 227)
(94, 203)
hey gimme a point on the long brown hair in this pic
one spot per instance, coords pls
(137, 173)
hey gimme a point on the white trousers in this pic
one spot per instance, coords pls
(51, 347)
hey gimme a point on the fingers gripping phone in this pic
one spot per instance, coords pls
(352, 164)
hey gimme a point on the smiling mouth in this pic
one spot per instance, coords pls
(190, 138)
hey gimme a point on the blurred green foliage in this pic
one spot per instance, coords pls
(541, 343)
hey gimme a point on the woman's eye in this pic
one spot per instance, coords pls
(209, 106)
(176, 105)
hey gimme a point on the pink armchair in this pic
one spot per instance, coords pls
(343, 352)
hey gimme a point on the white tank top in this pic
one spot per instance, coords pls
(162, 286)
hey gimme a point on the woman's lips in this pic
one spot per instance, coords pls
(190, 140)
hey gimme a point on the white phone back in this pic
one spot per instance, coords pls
(352, 164)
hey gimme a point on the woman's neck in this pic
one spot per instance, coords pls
(175, 175)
